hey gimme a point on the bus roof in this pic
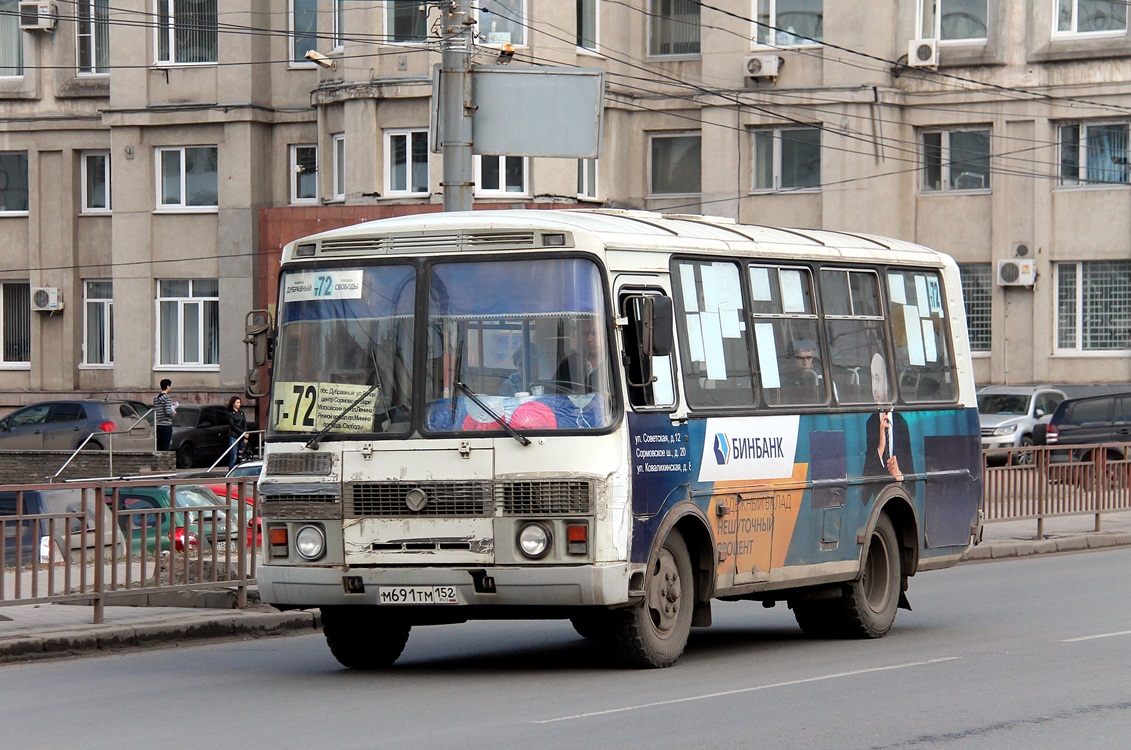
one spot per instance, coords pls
(619, 229)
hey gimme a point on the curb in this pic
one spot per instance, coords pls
(1027, 547)
(101, 638)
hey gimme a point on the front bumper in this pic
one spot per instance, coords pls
(582, 585)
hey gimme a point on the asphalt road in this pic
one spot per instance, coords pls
(1027, 653)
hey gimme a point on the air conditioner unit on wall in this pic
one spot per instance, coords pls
(762, 66)
(923, 53)
(46, 299)
(37, 15)
(1016, 273)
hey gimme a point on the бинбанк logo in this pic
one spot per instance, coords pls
(722, 449)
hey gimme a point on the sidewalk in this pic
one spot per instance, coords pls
(39, 631)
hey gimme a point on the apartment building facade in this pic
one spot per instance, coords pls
(156, 154)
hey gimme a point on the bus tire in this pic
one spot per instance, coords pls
(870, 602)
(655, 632)
(360, 638)
(868, 605)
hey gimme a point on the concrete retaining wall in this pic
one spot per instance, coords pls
(37, 467)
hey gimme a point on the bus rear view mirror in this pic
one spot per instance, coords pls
(657, 319)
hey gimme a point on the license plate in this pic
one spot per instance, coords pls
(418, 595)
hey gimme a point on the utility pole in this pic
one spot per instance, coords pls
(455, 103)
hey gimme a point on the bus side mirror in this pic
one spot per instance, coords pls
(658, 324)
(257, 336)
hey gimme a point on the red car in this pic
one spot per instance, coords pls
(251, 469)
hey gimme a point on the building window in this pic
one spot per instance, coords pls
(406, 154)
(673, 27)
(587, 179)
(304, 30)
(503, 22)
(11, 40)
(1093, 306)
(787, 159)
(956, 160)
(339, 24)
(93, 36)
(340, 165)
(98, 342)
(304, 174)
(1091, 16)
(1103, 149)
(95, 181)
(501, 175)
(187, 177)
(587, 24)
(13, 182)
(977, 286)
(188, 320)
(186, 31)
(406, 21)
(952, 19)
(675, 164)
(15, 322)
(789, 23)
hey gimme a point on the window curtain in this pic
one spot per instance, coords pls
(1107, 153)
(11, 43)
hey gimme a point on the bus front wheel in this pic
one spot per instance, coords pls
(360, 638)
(654, 633)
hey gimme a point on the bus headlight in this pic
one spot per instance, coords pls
(534, 540)
(310, 542)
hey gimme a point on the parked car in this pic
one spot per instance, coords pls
(232, 492)
(64, 425)
(1087, 421)
(200, 435)
(73, 538)
(150, 521)
(1009, 414)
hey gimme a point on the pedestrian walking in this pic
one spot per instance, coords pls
(164, 408)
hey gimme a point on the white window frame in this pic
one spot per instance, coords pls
(182, 206)
(339, 25)
(389, 6)
(409, 135)
(191, 307)
(945, 161)
(672, 135)
(587, 176)
(928, 20)
(487, 36)
(339, 140)
(977, 294)
(85, 159)
(169, 32)
(780, 38)
(297, 170)
(1109, 303)
(88, 27)
(19, 307)
(1082, 180)
(593, 8)
(98, 310)
(5, 156)
(503, 192)
(11, 49)
(776, 158)
(298, 60)
(1074, 22)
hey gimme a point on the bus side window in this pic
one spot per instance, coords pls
(920, 332)
(651, 382)
(854, 332)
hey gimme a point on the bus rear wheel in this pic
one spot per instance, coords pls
(868, 605)
(361, 638)
(655, 633)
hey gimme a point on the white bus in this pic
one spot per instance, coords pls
(614, 417)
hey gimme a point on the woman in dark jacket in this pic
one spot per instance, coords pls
(237, 426)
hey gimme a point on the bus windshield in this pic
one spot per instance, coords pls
(525, 341)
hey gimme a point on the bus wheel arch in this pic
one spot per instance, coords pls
(895, 505)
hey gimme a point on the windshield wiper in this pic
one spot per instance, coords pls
(313, 442)
(522, 439)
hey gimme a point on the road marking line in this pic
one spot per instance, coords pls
(1093, 637)
(739, 691)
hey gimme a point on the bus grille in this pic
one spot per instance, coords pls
(384, 499)
(545, 498)
(470, 499)
(304, 498)
(410, 243)
(308, 464)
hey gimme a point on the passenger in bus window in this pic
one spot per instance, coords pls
(585, 371)
(887, 437)
(515, 382)
(799, 371)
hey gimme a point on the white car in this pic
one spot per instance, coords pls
(1007, 415)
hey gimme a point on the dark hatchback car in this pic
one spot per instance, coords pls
(1088, 421)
